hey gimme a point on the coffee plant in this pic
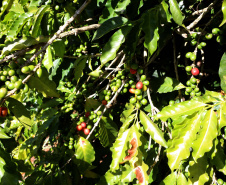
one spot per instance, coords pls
(108, 92)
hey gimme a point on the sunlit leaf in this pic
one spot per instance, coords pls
(170, 85)
(222, 70)
(37, 20)
(20, 44)
(18, 24)
(197, 171)
(109, 25)
(181, 179)
(179, 109)
(3, 135)
(171, 179)
(151, 30)
(221, 116)
(84, 154)
(79, 66)
(151, 128)
(176, 12)
(111, 47)
(43, 85)
(218, 157)
(206, 135)
(121, 5)
(20, 112)
(223, 8)
(182, 134)
(48, 61)
(119, 149)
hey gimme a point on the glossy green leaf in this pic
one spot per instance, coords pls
(20, 112)
(111, 47)
(48, 59)
(176, 12)
(18, 24)
(84, 154)
(107, 131)
(126, 123)
(119, 149)
(3, 135)
(206, 135)
(170, 85)
(126, 113)
(221, 116)
(37, 20)
(6, 5)
(79, 66)
(56, 65)
(109, 25)
(197, 171)
(7, 175)
(35, 2)
(127, 174)
(132, 41)
(91, 104)
(181, 179)
(135, 143)
(179, 109)
(217, 95)
(182, 134)
(165, 8)
(103, 135)
(17, 7)
(218, 157)
(121, 5)
(59, 48)
(223, 8)
(19, 44)
(110, 178)
(152, 129)
(43, 85)
(222, 72)
(108, 12)
(171, 179)
(151, 30)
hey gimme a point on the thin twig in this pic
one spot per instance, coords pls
(204, 12)
(76, 31)
(61, 29)
(106, 107)
(16, 54)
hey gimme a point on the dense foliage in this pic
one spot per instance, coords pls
(112, 92)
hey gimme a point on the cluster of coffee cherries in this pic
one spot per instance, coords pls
(70, 144)
(81, 49)
(192, 84)
(85, 123)
(140, 87)
(11, 77)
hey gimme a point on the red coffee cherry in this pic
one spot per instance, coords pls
(133, 71)
(139, 85)
(131, 90)
(4, 111)
(86, 131)
(83, 124)
(87, 114)
(195, 71)
(104, 102)
(79, 127)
